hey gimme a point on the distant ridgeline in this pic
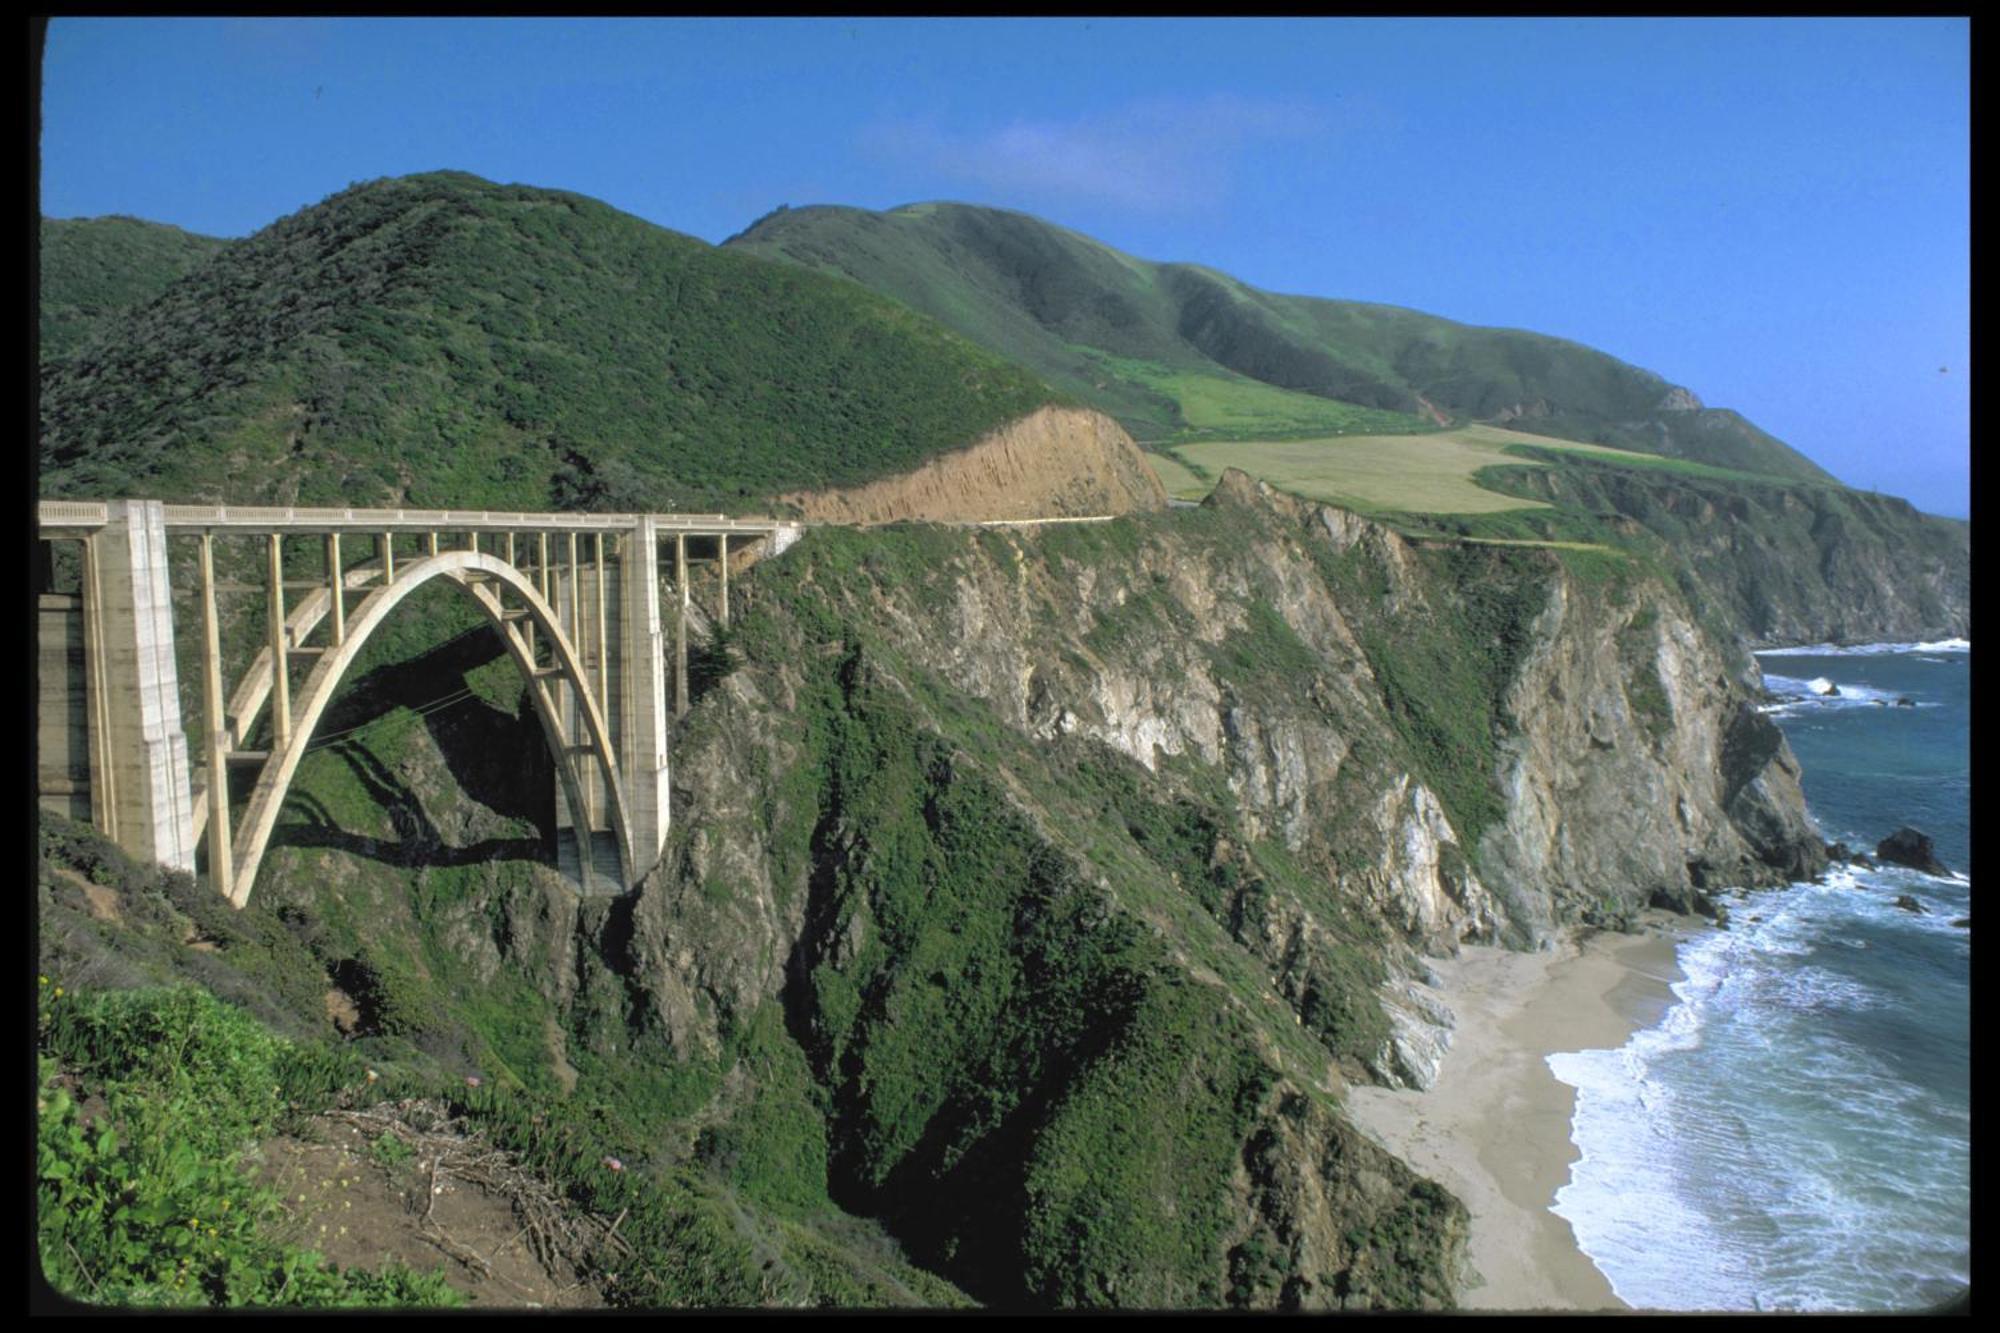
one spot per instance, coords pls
(1163, 347)
(439, 340)
(1762, 538)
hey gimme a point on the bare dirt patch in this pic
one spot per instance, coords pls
(404, 1183)
(102, 902)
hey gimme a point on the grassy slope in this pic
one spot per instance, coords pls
(1435, 473)
(1154, 344)
(440, 339)
(92, 268)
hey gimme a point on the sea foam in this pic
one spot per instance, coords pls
(1869, 649)
(1756, 1149)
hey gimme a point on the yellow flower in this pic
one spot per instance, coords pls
(58, 992)
(44, 981)
(194, 1222)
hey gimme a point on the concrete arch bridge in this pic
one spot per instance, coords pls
(576, 599)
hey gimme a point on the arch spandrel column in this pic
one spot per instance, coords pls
(460, 568)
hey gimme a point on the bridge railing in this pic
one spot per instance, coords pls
(200, 518)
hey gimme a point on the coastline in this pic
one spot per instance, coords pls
(1494, 1129)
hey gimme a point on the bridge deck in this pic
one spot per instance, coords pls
(87, 515)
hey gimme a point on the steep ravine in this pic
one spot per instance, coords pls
(1089, 864)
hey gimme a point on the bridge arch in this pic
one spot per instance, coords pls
(481, 576)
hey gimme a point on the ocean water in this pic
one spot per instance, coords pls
(1794, 1134)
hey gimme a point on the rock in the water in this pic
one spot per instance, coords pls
(1839, 851)
(1906, 701)
(1823, 687)
(1907, 847)
(1909, 904)
(1963, 923)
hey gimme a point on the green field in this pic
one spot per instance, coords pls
(1433, 473)
(1181, 481)
(1227, 406)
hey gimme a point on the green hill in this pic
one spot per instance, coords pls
(1180, 352)
(442, 340)
(93, 267)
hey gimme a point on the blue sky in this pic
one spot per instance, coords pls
(1773, 213)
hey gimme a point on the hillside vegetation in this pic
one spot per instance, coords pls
(92, 268)
(1181, 352)
(442, 340)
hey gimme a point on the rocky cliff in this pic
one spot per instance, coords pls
(1089, 864)
(1780, 564)
(1054, 462)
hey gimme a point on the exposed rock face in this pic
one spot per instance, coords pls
(1907, 847)
(1055, 462)
(1638, 764)
(1243, 674)
(1786, 564)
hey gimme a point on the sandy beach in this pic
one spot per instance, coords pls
(1494, 1130)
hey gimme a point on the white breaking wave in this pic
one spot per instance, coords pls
(1741, 1155)
(1800, 696)
(1869, 649)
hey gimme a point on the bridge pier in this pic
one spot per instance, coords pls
(642, 739)
(139, 790)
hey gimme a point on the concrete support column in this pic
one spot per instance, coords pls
(681, 625)
(724, 539)
(388, 543)
(281, 682)
(337, 587)
(642, 738)
(603, 644)
(221, 870)
(150, 810)
(575, 627)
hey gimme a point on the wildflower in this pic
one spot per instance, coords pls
(58, 992)
(373, 1076)
(614, 1163)
(44, 981)
(471, 1080)
(195, 1222)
